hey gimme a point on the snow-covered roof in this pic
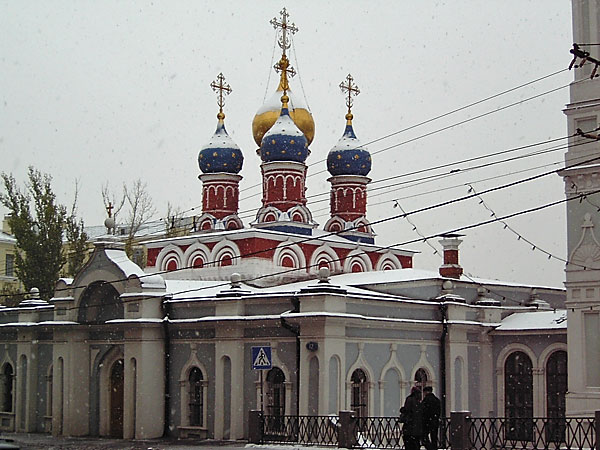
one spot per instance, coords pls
(184, 289)
(7, 238)
(535, 320)
(406, 275)
(129, 268)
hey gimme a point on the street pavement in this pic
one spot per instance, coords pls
(44, 441)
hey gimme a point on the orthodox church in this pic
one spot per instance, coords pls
(339, 322)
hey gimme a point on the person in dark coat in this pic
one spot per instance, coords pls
(411, 415)
(431, 418)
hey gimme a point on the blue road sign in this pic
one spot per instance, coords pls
(261, 357)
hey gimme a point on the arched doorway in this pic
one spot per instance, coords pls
(116, 399)
(518, 392)
(276, 398)
(359, 400)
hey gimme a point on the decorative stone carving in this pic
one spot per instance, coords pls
(586, 254)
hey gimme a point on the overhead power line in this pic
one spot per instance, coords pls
(397, 216)
(389, 247)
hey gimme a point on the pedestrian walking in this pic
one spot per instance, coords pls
(411, 415)
(431, 406)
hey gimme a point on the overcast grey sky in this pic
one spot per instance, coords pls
(112, 91)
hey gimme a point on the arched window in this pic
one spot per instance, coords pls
(556, 389)
(100, 302)
(275, 392)
(359, 401)
(421, 379)
(518, 391)
(7, 388)
(196, 398)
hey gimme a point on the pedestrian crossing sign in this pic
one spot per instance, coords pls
(261, 357)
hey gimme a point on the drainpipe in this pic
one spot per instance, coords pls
(167, 313)
(295, 329)
(444, 313)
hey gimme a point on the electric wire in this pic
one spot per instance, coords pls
(428, 121)
(394, 217)
(170, 295)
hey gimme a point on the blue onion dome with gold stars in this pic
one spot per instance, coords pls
(349, 157)
(221, 154)
(284, 141)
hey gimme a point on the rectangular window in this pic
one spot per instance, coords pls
(592, 349)
(9, 266)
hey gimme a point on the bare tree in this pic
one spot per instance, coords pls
(77, 238)
(174, 222)
(136, 199)
(112, 202)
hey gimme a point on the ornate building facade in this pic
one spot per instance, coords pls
(583, 246)
(125, 352)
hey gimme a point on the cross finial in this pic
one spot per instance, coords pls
(351, 89)
(222, 89)
(283, 66)
(109, 209)
(285, 27)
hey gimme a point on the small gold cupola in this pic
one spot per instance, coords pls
(268, 114)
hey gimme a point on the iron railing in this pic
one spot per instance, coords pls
(545, 433)
(307, 430)
(488, 433)
(379, 432)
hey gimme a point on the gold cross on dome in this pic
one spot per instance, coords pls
(283, 67)
(351, 89)
(285, 27)
(222, 88)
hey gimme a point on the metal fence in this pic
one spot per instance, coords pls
(460, 432)
(308, 430)
(379, 432)
(532, 433)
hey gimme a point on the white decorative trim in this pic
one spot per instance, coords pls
(500, 363)
(335, 220)
(225, 248)
(362, 364)
(106, 365)
(542, 363)
(294, 251)
(357, 256)
(167, 254)
(195, 250)
(325, 252)
(391, 364)
(7, 360)
(184, 379)
(388, 261)
(587, 251)
(424, 364)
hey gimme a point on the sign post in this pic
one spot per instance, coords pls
(261, 360)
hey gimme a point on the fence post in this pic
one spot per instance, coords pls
(255, 427)
(459, 430)
(597, 428)
(347, 429)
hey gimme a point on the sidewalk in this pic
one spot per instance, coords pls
(47, 442)
(44, 441)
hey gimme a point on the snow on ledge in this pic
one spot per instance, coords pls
(535, 320)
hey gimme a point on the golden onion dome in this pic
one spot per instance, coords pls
(270, 111)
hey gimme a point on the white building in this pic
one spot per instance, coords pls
(583, 220)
